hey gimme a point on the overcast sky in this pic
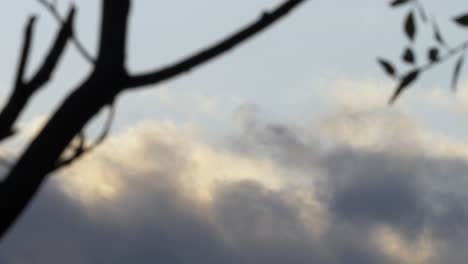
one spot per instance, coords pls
(281, 151)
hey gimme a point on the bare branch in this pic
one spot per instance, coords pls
(214, 51)
(9, 115)
(84, 148)
(52, 8)
(23, 90)
(107, 127)
(113, 37)
(45, 71)
(106, 82)
(25, 52)
(77, 152)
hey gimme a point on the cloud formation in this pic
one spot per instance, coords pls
(361, 185)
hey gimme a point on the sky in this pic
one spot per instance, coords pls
(281, 151)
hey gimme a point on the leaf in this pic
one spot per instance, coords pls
(433, 54)
(408, 56)
(397, 3)
(422, 13)
(404, 82)
(456, 72)
(437, 35)
(410, 26)
(462, 20)
(387, 67)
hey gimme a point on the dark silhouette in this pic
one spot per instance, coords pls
(108, 79)
(436, 53)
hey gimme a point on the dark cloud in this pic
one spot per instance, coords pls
(371, 187)
(262, 225)
(396, 183)
(149, 227)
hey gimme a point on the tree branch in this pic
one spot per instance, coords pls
(214, 51)
(45, 71)
(28, 34)
(23, 90)
(108, 79)
(79, 46)
(112, 47)
(11, 110)
(40, 157)
(83, 148)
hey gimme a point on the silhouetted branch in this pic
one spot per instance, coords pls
(112, 45)
(11, 110)
(77, 152)
(107, 81)
(23, 90)
(51, 7)
(24, 57)
(267, 19)
(107, 127)
(45, 71)
(83, 148)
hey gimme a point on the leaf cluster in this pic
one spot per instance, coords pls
(436, 52)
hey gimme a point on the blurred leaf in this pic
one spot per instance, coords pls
(410, 26)
(397, 3)
(387, 67)
(408, 56)
(422, 13)
(462, 20)
(433, 54)
(404, 82)
(456, 72)
(437, 35)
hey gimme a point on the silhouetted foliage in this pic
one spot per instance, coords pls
(437, 53)
(108, 79)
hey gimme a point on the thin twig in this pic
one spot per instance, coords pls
(450, 53)
(51, 7)
(214, 51)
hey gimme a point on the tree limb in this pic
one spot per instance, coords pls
(28, 34)
(45, 71)
(23, 90)
(40, 157)
(83, 148)
(51, 7)
(108, 80)
(214, 51)
(112, 44)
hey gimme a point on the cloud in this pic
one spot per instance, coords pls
(193, 103)
(448, 100)
(359, 185)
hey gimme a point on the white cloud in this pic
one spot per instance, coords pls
(191, 103)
